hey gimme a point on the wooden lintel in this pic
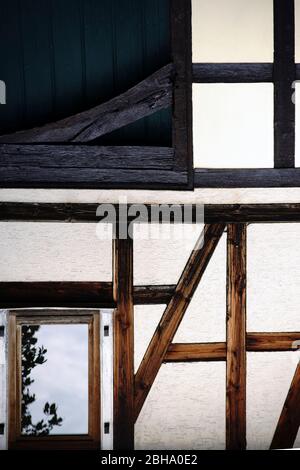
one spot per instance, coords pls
(76, 294)
(147, 97)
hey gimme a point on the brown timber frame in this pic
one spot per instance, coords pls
(131, 391)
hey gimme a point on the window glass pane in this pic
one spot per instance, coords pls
(273, 277)
(54, 379)
(232, 30)
(233, 125)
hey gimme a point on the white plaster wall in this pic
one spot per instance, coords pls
(186, 406)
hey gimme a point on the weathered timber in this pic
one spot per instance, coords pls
(87, 212)
(236, 338)
(147, 97)
(123, 344)
(284, 76)
(181, 41)
(41, 157)
(174, 312)
(255, 342)
(195, 352)
(269, 342)
(289, 421)
(232, 73)
(76, 294)
(247, 178)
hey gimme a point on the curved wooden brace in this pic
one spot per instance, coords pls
(147, 97)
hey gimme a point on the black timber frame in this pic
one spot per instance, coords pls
(283, 72)
(48, 165)
(62, 154)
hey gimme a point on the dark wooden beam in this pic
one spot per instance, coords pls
(247, 178)
(181, 41)
(236, 338)
(41, 158)
(174, 312)
(147, 97)
(289, 421)
(284, 77)
(76, 294)
(232, 73)
(123, 344)
(87, 213)
(81, 165)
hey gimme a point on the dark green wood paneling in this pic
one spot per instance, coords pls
(59, 57)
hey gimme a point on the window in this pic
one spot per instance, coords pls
(54, 379)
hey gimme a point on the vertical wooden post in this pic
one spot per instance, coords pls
(236, 338)
(123, 343)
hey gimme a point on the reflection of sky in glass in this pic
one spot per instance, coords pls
(63, 379)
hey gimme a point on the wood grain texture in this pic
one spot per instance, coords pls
(76, 294)
(232, 73)
(144, 99)
(247, 178)
(289, 421)
(174, 312)
(272, 342)
(87, 212)
(195, 352)
(284, 75)
(123, 344)
(181, 41)
(236, 338)
(41, 157)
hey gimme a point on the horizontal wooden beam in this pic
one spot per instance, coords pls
(247, 178)
(272, 342)
(85, 165)
(232, 73)
(39, 158)
(87, 213)
(255, 342)
(75, 294)
(235, 73)
(149, 96)
(196, 352)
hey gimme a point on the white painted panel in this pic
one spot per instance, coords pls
(205, 318)
(53, 252)
(232, 30)
(273, 278)
(269, 377)
(233, 125)
(185, 409)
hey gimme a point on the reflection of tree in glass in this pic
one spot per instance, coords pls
(33, 356)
